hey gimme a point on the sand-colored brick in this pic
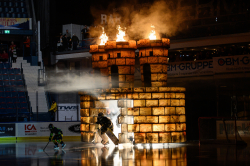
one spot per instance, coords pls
(120, 61)
(170, 127)
(180, 110)
(110, 97)
(145, 111)
(140, 119)
(163, 60)
(139, 103)
(85, 119)
(124, 128)
(92, 127)
(122, 78)
(154, 77)
(130, 61)
(158, 127)
(145, 128)
(182, 102)
(170, 110)
(164, 89)
(124, 70)
(133, 111)
(153, 59)
(176, 137)
(158, 96)
(93, 112)
(144, 95)
(143, 60)
(164, 102)
(174, 119)
(152, 119)
(180, 95)
(162, 77)
(175, 102)
(152, 137)
(101, 104)
(180, 126)
(164, 119)
(156, 68)
(152, 89)
(164, 138)
(140, 137)
(86, 104)
(133, 127)
(84, 112)
(156, 84)
(158, 111)
(129, 78)
(151, 103)
(101, 97)
(182, 118)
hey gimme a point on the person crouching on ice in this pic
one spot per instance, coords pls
(106, 124)
(57, 137)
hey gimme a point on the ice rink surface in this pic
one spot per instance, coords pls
(81, 154)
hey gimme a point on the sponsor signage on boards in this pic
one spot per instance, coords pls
(7, 130)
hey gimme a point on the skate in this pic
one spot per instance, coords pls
(63, 146)
(56, 147)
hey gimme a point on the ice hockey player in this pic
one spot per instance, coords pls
(105, 123)
(57, 137)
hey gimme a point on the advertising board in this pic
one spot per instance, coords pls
(7, 129)
(41, 129)
(190, 68)
(68, 112)
(243, 128)
(236, 63)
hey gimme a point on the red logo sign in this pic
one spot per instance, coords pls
(29, 128)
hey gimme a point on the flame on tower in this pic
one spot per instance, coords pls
(103, 37)
(152, 35)
(120, 34)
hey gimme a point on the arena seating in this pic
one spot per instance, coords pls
(13, 9)
(13, 94)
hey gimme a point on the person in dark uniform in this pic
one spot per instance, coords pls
(104, 122)
(57, 137)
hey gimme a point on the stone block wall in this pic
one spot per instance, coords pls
(154, 53)
(156, 115)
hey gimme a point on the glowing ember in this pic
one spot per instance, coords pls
(120, 34)
(152, 35)
(103, 37)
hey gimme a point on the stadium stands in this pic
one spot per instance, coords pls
(13, 9)
(13, 95)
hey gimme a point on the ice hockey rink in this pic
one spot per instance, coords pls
(81, 154)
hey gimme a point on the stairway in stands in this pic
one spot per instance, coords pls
(31, 77)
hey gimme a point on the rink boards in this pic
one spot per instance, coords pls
(38, 130)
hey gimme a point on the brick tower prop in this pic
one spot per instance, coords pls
(158, 112)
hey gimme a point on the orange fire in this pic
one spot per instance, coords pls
(152, 35)
(103, 37)
(120, 34)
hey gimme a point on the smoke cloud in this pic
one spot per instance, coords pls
(76, 82)
(138, 18)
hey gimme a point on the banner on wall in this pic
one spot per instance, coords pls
(7, 129)
(15, 23)
(68, 112)
(228, 64)
(191, 68)
(243, 128)
(41, 129)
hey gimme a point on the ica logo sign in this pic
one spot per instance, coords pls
(29, 128)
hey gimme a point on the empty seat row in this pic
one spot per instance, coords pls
(14, 15)
(14, 105)
(11, 83)
(12, 94)
(12, 10)
(12, 4)
(13, 111)
(10, 71)
(5, 66)
(10, 77)
(11, 88)
(20, 99)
